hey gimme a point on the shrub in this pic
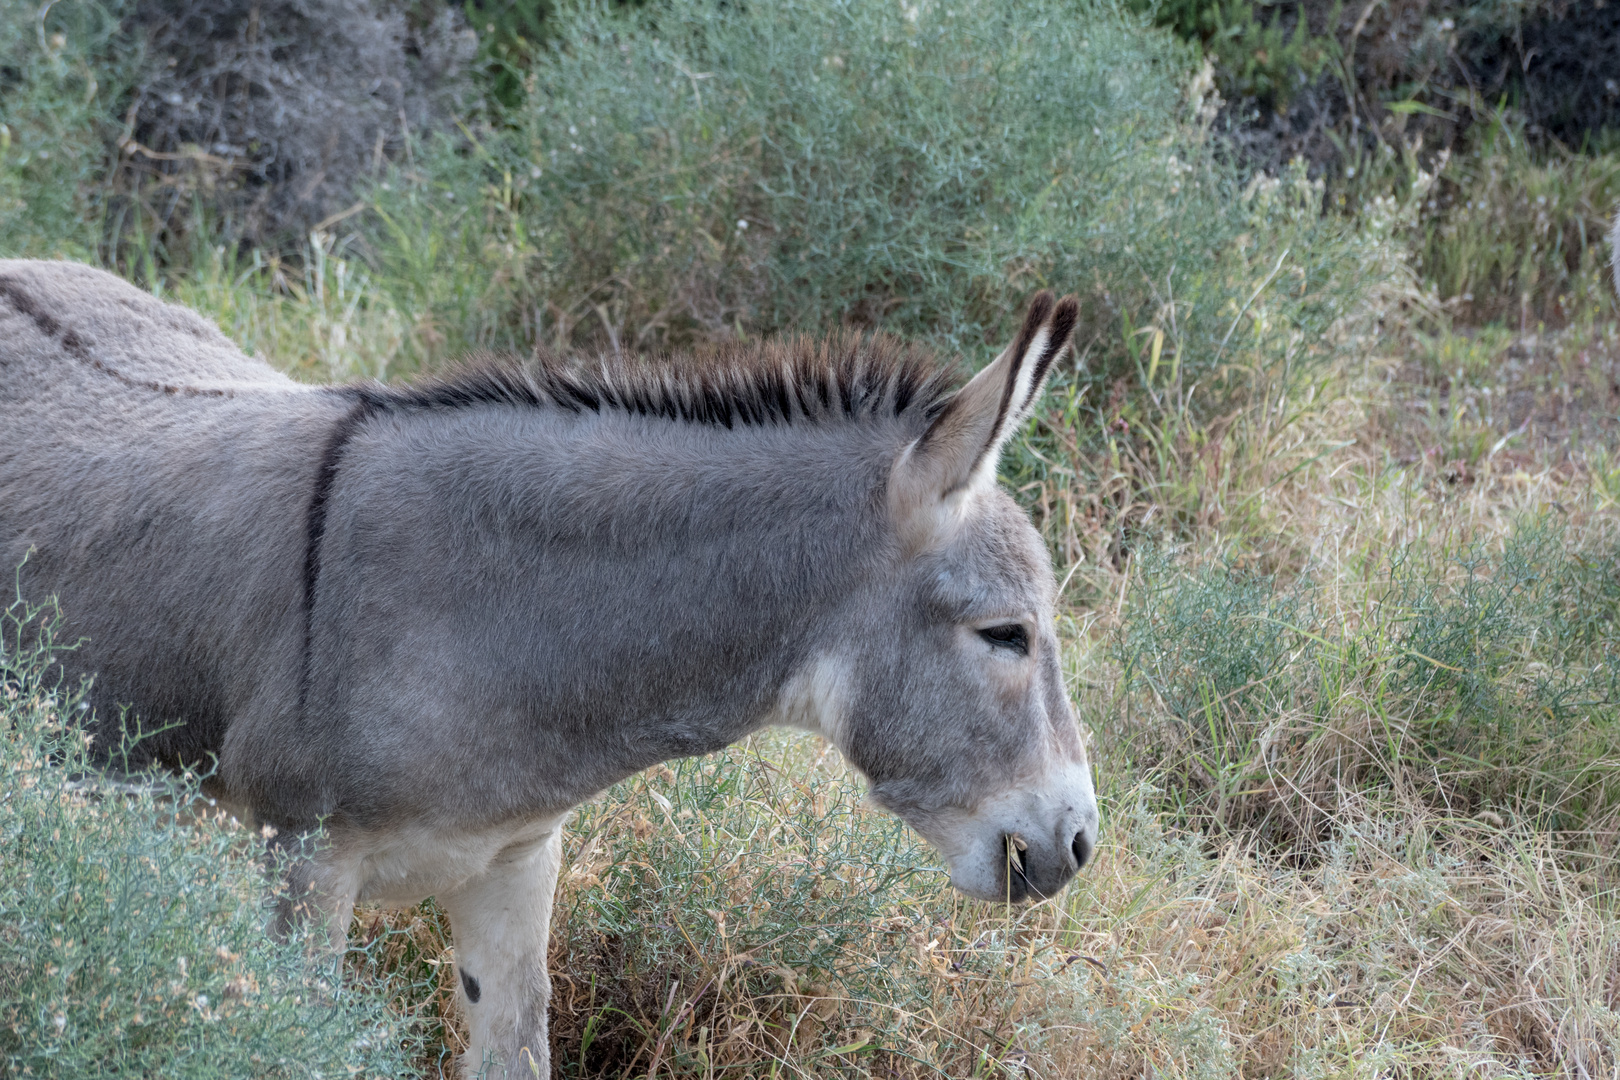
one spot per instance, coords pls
(694, 171)
(132, 937)
(63, 70)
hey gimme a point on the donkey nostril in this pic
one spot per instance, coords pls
(1082, 850)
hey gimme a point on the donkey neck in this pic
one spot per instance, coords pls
(602, 591)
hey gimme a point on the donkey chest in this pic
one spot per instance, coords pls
(403, 865)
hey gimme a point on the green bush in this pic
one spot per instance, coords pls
(1264, 49)
(62, 76)
(132, 921)
(693, 171)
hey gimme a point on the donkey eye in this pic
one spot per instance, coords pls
(1007, 636)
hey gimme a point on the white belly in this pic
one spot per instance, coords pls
(404, 866)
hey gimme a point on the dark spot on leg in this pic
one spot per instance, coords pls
(470, 984)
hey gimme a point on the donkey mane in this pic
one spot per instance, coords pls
(845, 377)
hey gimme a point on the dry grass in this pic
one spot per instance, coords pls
(321, 319)
(1430, 944)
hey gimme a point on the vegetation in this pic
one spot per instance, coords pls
(60, 85)
(1509, 104)
(1488, 668)
(132, 938)
(1332, 487)
(1520, 235)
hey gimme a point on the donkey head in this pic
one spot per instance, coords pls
(954, 705)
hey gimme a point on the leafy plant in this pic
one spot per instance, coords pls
(1265, 48)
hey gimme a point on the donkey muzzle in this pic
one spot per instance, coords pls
(1023, 844)
(1036, 870)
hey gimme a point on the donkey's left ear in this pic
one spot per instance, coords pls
(959, 452)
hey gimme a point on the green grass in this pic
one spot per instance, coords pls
(1519, 236)
(1477, 679)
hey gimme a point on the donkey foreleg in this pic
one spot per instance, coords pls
(500, 922)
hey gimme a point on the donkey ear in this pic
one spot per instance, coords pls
(959, 452)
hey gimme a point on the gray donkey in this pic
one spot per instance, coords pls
(1614, 250)
(433, 618)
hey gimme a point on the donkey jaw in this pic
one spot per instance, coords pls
(816, 698)
(1023, 844)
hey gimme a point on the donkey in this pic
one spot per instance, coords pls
(431, 619)
(1614, 250)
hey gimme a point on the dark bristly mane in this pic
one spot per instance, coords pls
(778, 382)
